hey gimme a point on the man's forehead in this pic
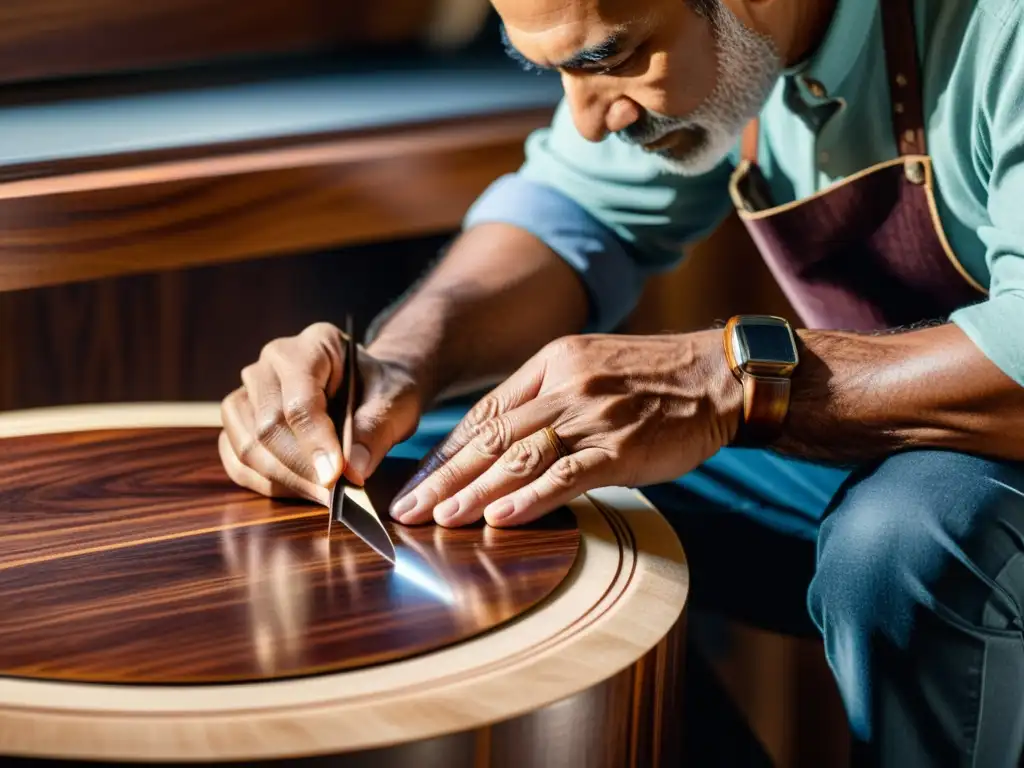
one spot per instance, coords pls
(555, 29)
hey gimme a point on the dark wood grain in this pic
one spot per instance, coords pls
(128, 556)
(58, 38)
(148, 337)
(144, 218)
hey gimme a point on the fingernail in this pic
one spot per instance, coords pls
(324, 465)
(499, 510)
(359, 460)
(403, 505)
(446, 510)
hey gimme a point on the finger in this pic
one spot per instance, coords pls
(306, 379)
(263, 391)
(245, 477)
(289, 387)
(380, 422)
(330, 371)
(563, 481)
(522, 386)
(239, 424)
(495, 436)
(522, 463)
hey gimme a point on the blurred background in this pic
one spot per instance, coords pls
(182, 181)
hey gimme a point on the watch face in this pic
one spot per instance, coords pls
(764, 343)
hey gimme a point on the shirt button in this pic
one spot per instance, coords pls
(915, 173)
(823, 158)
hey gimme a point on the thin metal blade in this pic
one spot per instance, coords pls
(346, 397)
(352, 384)
(351, 507)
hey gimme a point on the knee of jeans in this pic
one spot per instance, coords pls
(926, 530)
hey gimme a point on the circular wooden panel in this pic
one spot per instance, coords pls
(599, 646)
(128, 556)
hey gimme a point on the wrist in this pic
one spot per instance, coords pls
(420, 366)
(762, 353)
(723, 390)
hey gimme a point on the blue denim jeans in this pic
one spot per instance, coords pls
(911, 569)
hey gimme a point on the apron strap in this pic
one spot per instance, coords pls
(900, 42)
(904, 76)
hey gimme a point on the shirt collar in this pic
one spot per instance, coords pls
(845, 38)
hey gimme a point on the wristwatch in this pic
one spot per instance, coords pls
(762, 353)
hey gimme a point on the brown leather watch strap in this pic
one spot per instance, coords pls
(765, 405)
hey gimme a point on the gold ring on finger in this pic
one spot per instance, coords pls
(556, 442)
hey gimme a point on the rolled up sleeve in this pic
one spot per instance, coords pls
(607, 208)
(612, 277)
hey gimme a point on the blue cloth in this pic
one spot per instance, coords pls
(911, 569)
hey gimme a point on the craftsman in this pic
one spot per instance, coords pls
(875, 151)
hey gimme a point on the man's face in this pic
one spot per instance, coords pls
(679, 77)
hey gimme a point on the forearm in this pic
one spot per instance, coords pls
(857, 397)
(496, 297)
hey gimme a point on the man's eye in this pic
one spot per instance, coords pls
(618, 67)
(615, 68)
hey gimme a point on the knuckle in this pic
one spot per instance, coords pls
(326, 339)
(246, 448)
(483, 411)
(566, 472)
(274, 349)
(250, 373)
(322, 331)
(299, 411)
(493, 437)
(270, 422)
(524, 458)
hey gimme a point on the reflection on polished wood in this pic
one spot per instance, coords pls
(589, 677)
(258, 200)
(128, 556)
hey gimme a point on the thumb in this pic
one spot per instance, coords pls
(382, 420)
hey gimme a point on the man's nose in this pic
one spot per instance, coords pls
(598, 111)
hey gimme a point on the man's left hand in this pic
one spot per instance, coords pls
(584, 412)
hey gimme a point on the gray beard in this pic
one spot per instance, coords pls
(748, 68)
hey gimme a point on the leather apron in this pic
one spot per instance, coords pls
(867, 253)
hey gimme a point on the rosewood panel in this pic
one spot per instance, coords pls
(186, 335)
(589, 676)
(128, 556)
(410, 182)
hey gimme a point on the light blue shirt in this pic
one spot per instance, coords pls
(611, 212)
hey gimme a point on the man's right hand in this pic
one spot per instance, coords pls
(278, 438)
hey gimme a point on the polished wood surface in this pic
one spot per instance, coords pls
(128, 556)
(57, 38)
(413, 180)
(589, 676)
